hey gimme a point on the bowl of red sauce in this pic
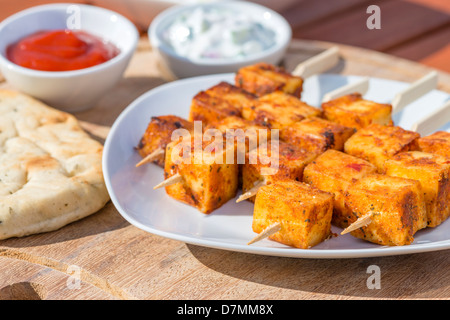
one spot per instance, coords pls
(67, 55)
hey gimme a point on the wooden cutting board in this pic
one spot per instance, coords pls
(104, 257)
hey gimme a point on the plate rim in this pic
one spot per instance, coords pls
(310, 253)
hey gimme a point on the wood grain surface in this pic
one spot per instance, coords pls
(413, 29)
(103, 257)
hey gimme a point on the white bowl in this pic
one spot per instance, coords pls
(183, 67)
(68, 90)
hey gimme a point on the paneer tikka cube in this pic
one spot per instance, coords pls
(218, 102)
(353, 111)
(263, 78)
(208, 181)
(304, 213)
(433, 172)
(242, 131)
(317, 134)
(396, 207)
(376, 143)
(334, 171)
(159, 133)
(278, 110)
(272, 162)
(437, 142)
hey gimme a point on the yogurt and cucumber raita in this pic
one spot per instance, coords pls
(217, 34)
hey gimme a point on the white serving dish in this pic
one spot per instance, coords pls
(229, 227)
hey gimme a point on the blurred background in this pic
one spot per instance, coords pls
(417, 30)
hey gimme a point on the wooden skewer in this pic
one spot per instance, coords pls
(433, 121)
(169, 181)
(363, 221)
(360, 86)
(150, 157)
(250, 193)
(414, 91)
(317, 64)
(401, 100)
(270, 230)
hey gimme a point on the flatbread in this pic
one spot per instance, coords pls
(50, 169)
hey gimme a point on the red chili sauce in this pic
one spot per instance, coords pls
(61, 50)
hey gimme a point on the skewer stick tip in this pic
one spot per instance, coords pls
(250, 193)
(270, 230)
(169, 181)
(150, 157)
(318, 63)
(414, 91)
(359, 223)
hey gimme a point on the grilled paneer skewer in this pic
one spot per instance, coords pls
(258, 105)
(204, 178)
(394, 207)
(157, 135)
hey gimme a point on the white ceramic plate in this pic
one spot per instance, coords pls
(229, 227)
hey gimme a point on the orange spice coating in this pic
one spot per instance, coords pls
(264, 78)
(396, 205)
(218, 102)
(433, 172)
(438, 143)
(304, 213)
(159, 133)
(317, 134)
(334, 171)
(353, 111)
(376, 143)
(289, 160)
(208, 180)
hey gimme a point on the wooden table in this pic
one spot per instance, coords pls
(417, 30)
(104, 257)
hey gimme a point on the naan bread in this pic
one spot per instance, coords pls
(50, 169)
